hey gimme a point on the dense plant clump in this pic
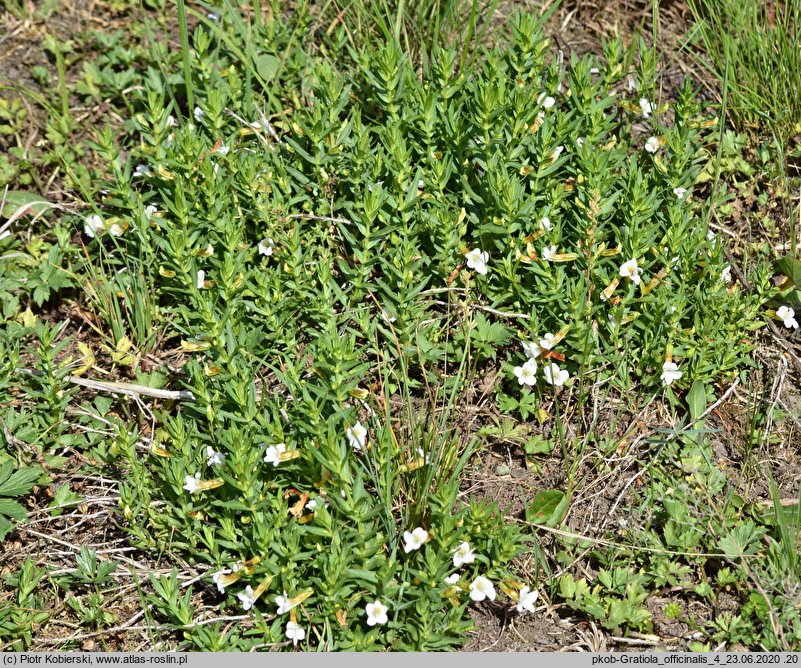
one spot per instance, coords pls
(340, 266)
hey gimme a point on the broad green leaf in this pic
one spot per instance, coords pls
(267, 66)
(547, 508)
(20, 482)
(19, 203)
(791, 268)
(696, 399)
(13, 509)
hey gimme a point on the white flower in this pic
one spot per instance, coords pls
(266, 247)
(191, 483)
(414, 539)
(214, 458)
(425, 456)
(526, 599)
(630, 269)
(532, 350)
(94, 224)
(546, 100)
(170, 122)
(527, 374)
(580, 141)
(283, 604)
(645, 107)
(652, 145)
(376, 613)
(357, 436)
(217, 578)
(679, 192)
(545, 224)
(247, 598)
(209, 250)
(786, 314)
(557, 152)
(272, 455)
(548, 252)
(452, 579)
(116, 230)
(213, 16)
(670, 372)
(198, 113)
(476, 259)
(463, 555)
(151, 210)
(142, 171)
(314, 503)
(481, 588)
(725, 275)
(554, 375)
(711, 238)
(223, 150)
(201, 279)
(386, 316)
(294, 632)
(421, 184)
(548, 341)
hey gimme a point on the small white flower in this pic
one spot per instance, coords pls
(557, 152)
(532, 350)
(554, 375)
(213, 16)
(272, 455)
(481, 588)
(712, 238)
(283, 603)
(386, 316)
(414, 539)
(679, 192)
(548, 252)
(357, 436)
(313, 504)
(546, 101)
(670, 372)
(141, 171)
(294, 632)
(580, 141)
(198, 113)
(116, 230)
(452, 579)
(94, 224)
(476, 259)
(151, 210)
(214, 458)
(652, 145)
(545, 224)
(217, 578)
(247, 598)
(526, 599)
(421, 184)
(463, 555)
(191, 483)
(376, 613)
(725, 275)
(425, 456)
(631, 270)
(645, 107)
(548, 341)
(170, 122)
(209, 250)
(201, 279)
(787, 315)
(266, 247)
(527, 374)
(223, 150)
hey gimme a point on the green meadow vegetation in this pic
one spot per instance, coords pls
(281, 285)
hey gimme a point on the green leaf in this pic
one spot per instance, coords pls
(19, 203)
(20, 482)
(696, 399)
(267, 66)
(13, 509)
(547, 508)
(791, 268)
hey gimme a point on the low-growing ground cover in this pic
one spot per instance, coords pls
(370, 339)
